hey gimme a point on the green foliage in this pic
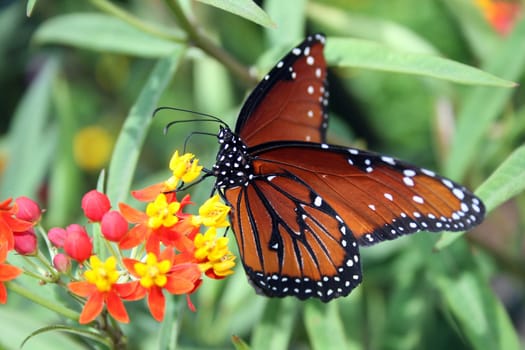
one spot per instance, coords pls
(99, 63)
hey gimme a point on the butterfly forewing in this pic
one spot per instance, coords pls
(378, 197)
(295, 99)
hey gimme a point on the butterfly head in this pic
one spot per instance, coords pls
(233, 166)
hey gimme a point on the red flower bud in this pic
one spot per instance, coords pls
(57, 236)
(25, 242)
(28, 209)
(61, 262)
(113, 226)
(77, 245)
(95, 204)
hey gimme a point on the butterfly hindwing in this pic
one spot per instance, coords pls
(291, 242)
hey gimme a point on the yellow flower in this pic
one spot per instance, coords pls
(213, 213)
(213, 253)
(92, 147)
(153, 272)
(184, 168)
(162, 213)
(102, 274)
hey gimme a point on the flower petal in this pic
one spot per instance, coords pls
(131, 214)
(134, 237)
(3, 294)
(157, 303)
(116, 307)
(9, 272)
(92, 309)
(149, 193)
(82, 288)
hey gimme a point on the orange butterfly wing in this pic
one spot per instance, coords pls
(295, 95)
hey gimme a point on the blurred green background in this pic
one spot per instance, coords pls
(74, 72)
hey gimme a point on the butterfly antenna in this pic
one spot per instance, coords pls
(196, 133)
(208, 117)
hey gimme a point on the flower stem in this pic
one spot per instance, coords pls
(197, 39)
(136, 22)
(29, 295)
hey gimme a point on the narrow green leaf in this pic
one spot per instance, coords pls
(324, 326)
(239, 343)
(102, 33)
(371, 28)
(30, 144)
(244, 8)
(480, 315)
(276, 327)
(30, 7)
(346, 52)
(68, 329)
(290, 21)
(131, 137)
(484, 104)
(506, 182)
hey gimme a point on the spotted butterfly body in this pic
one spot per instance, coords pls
(301, 207)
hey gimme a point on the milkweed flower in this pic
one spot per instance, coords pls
(7, 272)
(213, 255)
(213, 213)
(77, 243)
(26, 242)
(28, 209)
(95, 204)
(158, 273)
(160, 223)
(10, 223)
(101, 288)
(113, 226)
(185, 167)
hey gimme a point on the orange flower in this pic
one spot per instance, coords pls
(160, 223)
(7, 272)
(501, 14)
(160, 272)
(212, 254)
(9, 223)
(101, 288)
(184, 168)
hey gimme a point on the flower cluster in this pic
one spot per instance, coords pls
(124, 255)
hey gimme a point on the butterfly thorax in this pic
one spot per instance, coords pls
(233, 165)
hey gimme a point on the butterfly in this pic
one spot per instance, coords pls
(300, 207)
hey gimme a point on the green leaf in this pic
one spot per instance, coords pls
(324, 326)
(30, 143)
(506, 182)
(30, 7)
(275, 329)
(244, 8)
(371, 28)
(77, 331)
(131, 137)
(480, 315)
(483, 105)
(239, 343)
(102, 33)
(346, 52)
(290, 20)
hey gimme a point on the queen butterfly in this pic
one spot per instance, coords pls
(301, 207)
